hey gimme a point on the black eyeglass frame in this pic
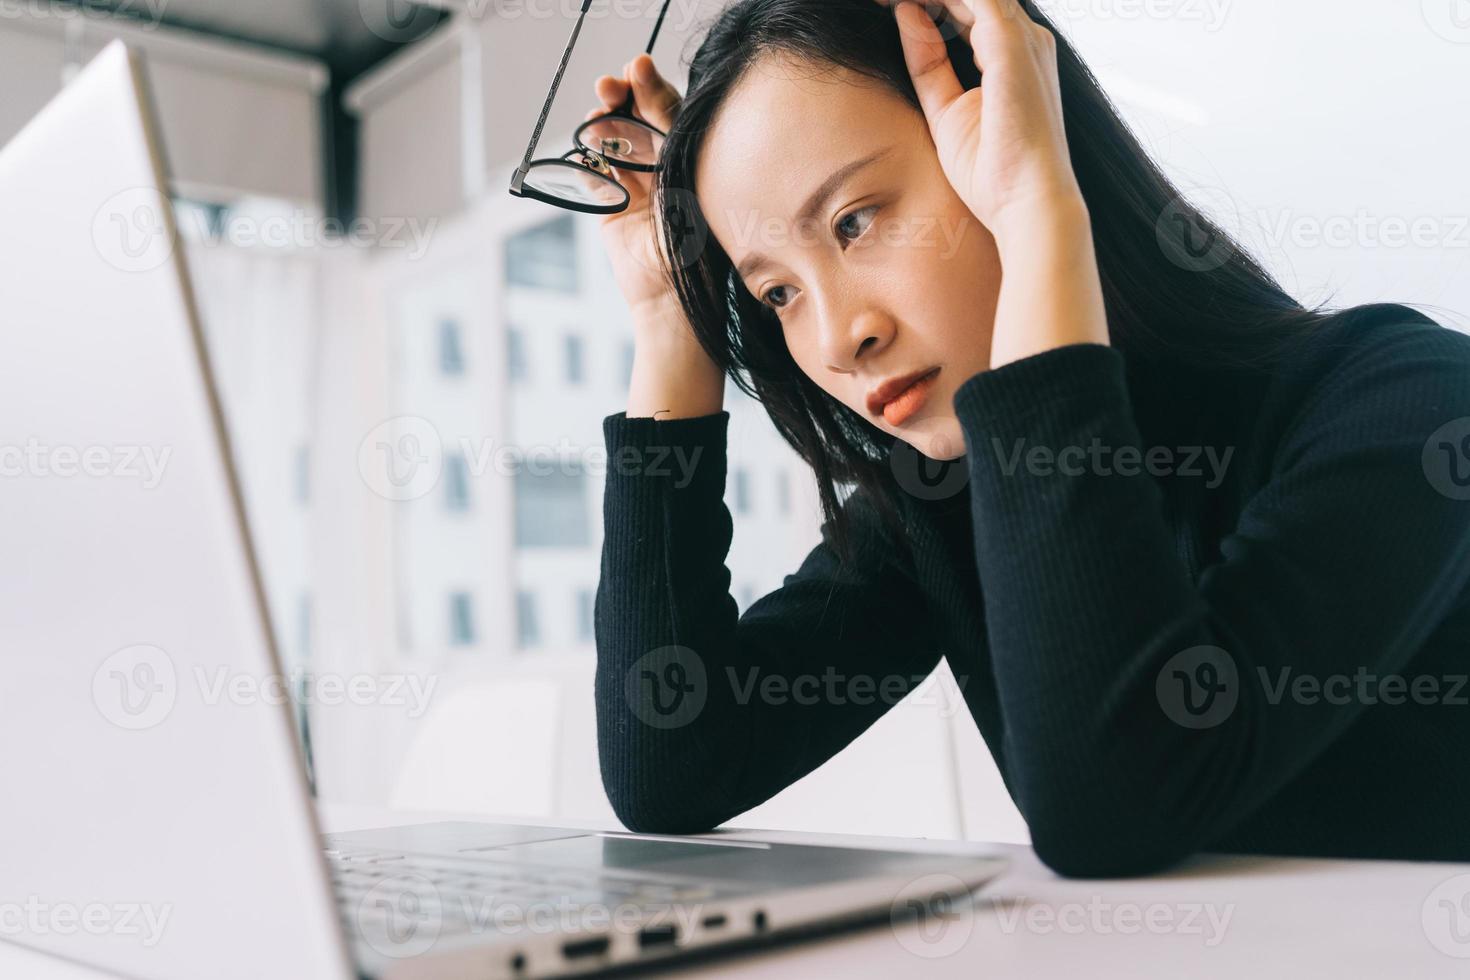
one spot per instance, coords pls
(592, 160)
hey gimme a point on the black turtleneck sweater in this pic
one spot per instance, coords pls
(1190, 611)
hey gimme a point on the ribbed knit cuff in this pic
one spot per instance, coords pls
(684, 455)
(1038, 383)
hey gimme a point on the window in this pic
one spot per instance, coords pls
(742, 491)
(461, 619)
(456, 482)
(574, 358)
(627, 363)
(551, 503)
(544, 257)
(527, 632)
(451, 350)
(584, 615)
(198, 219)
(515, 355)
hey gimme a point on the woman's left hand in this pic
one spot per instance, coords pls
(1002, 146)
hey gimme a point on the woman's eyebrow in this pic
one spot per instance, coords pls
(815, 201)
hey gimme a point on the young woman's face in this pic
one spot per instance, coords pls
(889, 275)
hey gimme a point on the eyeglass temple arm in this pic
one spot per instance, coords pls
(648, 49)
(561, 68)
(550, 97)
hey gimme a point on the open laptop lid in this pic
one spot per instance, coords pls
(156, 820)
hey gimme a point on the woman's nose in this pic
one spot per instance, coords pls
(848, 339)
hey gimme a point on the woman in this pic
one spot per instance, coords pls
(1199, 557)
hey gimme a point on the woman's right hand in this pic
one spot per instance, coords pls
(630, 235)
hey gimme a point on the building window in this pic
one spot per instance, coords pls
(551, 503)
(627, 363)
(574, 359)
(584, 615)
(742, 491)
(515, 355)
(461, 619)
(544, 257)
(527, 632)
(451, 347)
(456, 482)
(783, 492)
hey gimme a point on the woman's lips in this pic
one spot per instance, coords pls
(908, 401)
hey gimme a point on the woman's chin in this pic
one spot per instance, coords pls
(937, 437)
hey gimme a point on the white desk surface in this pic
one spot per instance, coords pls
(1215, 916)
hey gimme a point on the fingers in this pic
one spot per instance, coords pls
(1002, 26)
(657, 100)
(611, 91)
(992, 27)
(928, 60)
(997, 12)
(959, 10)
(654, 99)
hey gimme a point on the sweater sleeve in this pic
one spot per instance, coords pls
(703, 714)
(1144, 714)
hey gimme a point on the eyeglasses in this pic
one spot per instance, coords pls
(581, 179)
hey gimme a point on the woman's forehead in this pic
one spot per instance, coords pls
(784, 127)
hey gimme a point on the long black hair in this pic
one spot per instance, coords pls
(1177, 288)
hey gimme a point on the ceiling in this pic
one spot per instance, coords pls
(350, 36)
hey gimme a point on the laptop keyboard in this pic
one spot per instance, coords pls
(376, 887)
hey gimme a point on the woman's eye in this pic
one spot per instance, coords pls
(851, 225)
(766, 297)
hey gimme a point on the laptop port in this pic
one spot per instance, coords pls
(582, 948)
(654, 937)
(714, 921)
(759, 921)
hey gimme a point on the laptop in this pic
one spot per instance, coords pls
(155, 832)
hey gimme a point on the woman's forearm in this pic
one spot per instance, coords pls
(673, 377)
(1051, 292)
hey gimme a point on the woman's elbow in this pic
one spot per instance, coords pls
(648, 807)
(643, 815)
(1075, 847)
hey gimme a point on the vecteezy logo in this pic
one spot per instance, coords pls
(399, 21)
(1447, 459)
(1198, 687)
(948, 25)
(667, 688)
(1450, 19)
(401, 458)
(687, 226)
(926, 477)
(136, 687)
(1446, 917)
(131, 230)
(401, 916)
(1188, 241)
(933, 916)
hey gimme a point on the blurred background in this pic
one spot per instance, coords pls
(416, 365)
